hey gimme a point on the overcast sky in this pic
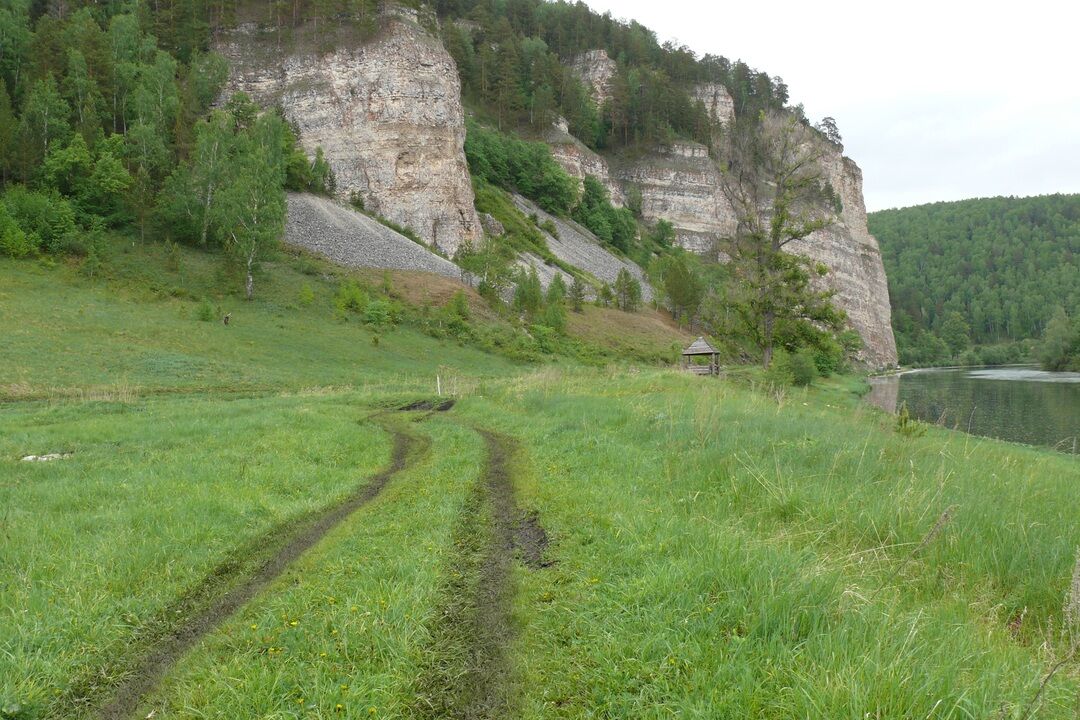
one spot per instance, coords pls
(936, 100)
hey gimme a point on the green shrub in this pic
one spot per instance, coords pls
(206, 311)
(528, 294)
(554, 317)
(524, 167)
(91, 266)
(306, 295)
(907, 425)
(556, 291)
(458, 306)
(13, 241)
(970, 358)
(350, 296)
(604, 296)
(378, 313)
(829, 356)
(47, 219)
(803, 370)
(545, 337)
(614, 226)
(779, 373)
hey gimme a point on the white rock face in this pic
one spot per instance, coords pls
(856, 271)
(388, 116)
(596, 70)
(718, 102)
(681, 183)
(578, 160)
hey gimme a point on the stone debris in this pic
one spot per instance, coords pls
(348, 237)
(578, 247)
(491, 226)
(48, 457)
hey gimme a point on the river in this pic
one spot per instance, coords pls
(1021, 403)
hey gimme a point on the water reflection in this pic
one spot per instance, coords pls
(885, 393)
(1023, 404)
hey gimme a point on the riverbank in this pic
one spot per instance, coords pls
(1018, 403)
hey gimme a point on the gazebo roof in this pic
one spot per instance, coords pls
(700, 347)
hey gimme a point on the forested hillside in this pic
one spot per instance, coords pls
(115, 124)
(983, 272)
(514, 59)
(105, 129)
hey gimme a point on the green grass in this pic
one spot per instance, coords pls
(137, 331)
(349, 626)
(718, 550)
(723, 556)
(155, 494)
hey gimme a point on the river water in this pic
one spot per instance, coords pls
(1023, 404)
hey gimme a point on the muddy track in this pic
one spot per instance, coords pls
(467, 672)
(488, 662)
(226, 589)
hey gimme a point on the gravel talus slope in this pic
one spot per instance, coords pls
(578, 247)
(351, 238)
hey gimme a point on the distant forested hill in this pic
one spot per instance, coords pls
(992, 269)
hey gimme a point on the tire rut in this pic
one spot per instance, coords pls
(467, 673)
(494, 590)
(182, 625)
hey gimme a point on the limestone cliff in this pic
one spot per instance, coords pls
(856, 270)
(388, 115)
(718, 102)
(596, 70)
(681, 183)
(579, 160)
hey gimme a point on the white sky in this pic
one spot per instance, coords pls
(936, 100)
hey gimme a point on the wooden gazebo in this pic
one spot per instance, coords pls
(700, 348)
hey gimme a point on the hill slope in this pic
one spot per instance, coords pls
(1003, 264)
(243, 527)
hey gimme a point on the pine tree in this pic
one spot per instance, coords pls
(577, 295)
(776, 187)
(627, 291)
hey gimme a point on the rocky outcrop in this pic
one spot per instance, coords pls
(717, 101)
(350, 238)
(856, 271)
(596, 70)
(680, 183)
(387, 114)
(578, 161)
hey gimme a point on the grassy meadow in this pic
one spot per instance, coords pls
(714, 550)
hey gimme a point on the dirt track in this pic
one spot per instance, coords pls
(207, 606)
(488, 662)
(469, 674)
